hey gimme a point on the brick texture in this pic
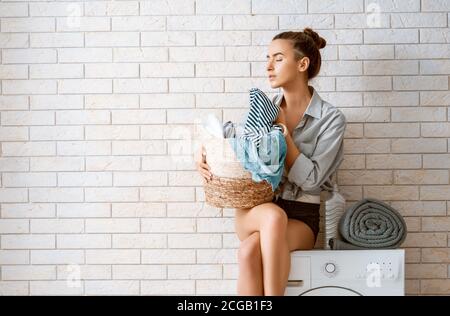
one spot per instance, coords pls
(99, 100)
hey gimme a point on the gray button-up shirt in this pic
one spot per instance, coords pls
(319, 137)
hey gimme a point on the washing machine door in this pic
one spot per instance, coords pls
(330, 291)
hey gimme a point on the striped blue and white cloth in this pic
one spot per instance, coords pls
(261, 115)
(261, 148)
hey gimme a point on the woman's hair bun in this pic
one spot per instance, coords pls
(320, 41)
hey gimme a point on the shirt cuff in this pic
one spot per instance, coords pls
(300, 170)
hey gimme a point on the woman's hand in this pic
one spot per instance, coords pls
(202, 167)
(281, 118)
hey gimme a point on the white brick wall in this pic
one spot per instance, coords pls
(99, 193)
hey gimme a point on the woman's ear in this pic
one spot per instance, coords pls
(303, 64)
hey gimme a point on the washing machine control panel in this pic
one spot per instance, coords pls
(374, 265)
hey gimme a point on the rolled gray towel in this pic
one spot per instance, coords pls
(370, 224)
(336, 244)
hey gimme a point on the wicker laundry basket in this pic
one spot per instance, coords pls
(231, 185)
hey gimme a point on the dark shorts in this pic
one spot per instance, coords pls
(305, 212)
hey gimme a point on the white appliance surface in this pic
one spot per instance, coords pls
(347, 272)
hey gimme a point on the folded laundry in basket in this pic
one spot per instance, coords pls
(258, 144)
(230, 129)
(370, 224)
(261, 147)
(265, 162)
(212, 124)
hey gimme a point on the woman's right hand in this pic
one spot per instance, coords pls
(202, 167)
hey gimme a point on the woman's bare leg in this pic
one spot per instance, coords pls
(278, 237)
(250, 280)
(271, 222)
(275, 252)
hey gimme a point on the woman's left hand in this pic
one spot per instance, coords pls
(281, 118)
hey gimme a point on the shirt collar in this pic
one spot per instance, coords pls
(314, 108)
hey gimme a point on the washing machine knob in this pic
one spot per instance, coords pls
(330, 267)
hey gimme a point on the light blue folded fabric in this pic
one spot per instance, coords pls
(265, 162)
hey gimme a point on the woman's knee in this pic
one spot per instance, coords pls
(250, 249)
(275, 219)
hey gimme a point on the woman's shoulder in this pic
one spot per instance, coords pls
(331, 111)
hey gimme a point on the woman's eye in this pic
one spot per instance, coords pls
(278, 59)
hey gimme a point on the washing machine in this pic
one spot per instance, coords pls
(347, 272)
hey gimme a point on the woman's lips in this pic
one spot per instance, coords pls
(271, 77)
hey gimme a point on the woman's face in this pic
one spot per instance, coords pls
(281, 64)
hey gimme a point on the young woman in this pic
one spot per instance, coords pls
(270, 231)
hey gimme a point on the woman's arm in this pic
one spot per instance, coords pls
(310, 173)
(292, 152)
